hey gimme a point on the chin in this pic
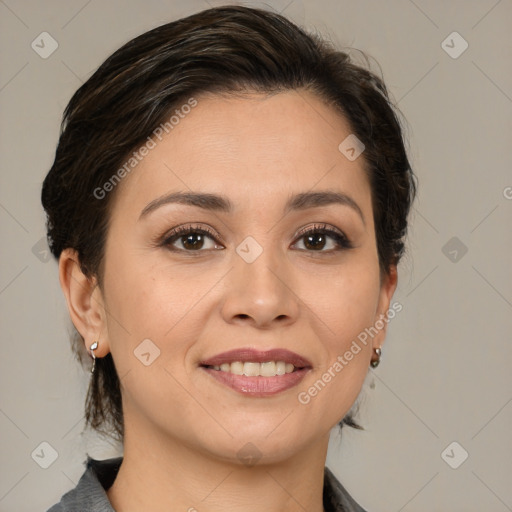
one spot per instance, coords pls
(264, 445)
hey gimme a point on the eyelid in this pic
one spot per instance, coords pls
(186, 228)
(329, 230)
(319, 227)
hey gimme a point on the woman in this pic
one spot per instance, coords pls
(228, 205)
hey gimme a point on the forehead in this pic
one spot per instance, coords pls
(253, 148)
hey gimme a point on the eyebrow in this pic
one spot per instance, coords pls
(218, 203)
(321, 198)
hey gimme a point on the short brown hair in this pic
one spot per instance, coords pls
(221, 50)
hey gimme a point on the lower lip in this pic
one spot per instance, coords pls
(258, 386)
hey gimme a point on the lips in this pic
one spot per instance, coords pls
(248, 382)
(247, 355)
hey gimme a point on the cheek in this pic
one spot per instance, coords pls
(148, 299)
(137, 291)
(345, 306)
(345, 299)
(151, 325)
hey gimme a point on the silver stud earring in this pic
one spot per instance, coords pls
(93, 347)
(376, 363)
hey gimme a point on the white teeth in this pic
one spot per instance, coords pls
(268, 369)
(237, 368)
(251, 369)
(280, 368)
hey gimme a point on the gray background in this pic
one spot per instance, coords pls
(445, 374)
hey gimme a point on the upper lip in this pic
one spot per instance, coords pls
(257, 356)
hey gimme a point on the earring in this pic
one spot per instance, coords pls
(376, 363)
(93, 347)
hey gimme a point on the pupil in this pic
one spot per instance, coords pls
(193, 241)
(315, 241)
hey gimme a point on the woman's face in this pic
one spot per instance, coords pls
(244, 277)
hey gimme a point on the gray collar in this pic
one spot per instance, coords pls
(90, 493)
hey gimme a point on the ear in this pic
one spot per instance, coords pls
(85, 302)
(387, 289)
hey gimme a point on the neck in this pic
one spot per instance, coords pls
(166, 474)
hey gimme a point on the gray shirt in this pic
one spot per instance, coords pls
(90, 493)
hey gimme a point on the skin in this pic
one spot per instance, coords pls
(183, 428)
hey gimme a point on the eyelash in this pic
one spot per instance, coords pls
(340, 239)
(182, 231)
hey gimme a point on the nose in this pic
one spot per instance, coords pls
(260, 293)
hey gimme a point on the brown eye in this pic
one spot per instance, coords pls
(193, 241)
(190, 239)
(322, 239)
(315, 241)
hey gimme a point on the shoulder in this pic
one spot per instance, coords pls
(90, 495)
(336, 497)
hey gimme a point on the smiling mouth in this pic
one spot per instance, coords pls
(254, 369)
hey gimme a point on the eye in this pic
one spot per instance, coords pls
(191, 239)
(320, 238)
